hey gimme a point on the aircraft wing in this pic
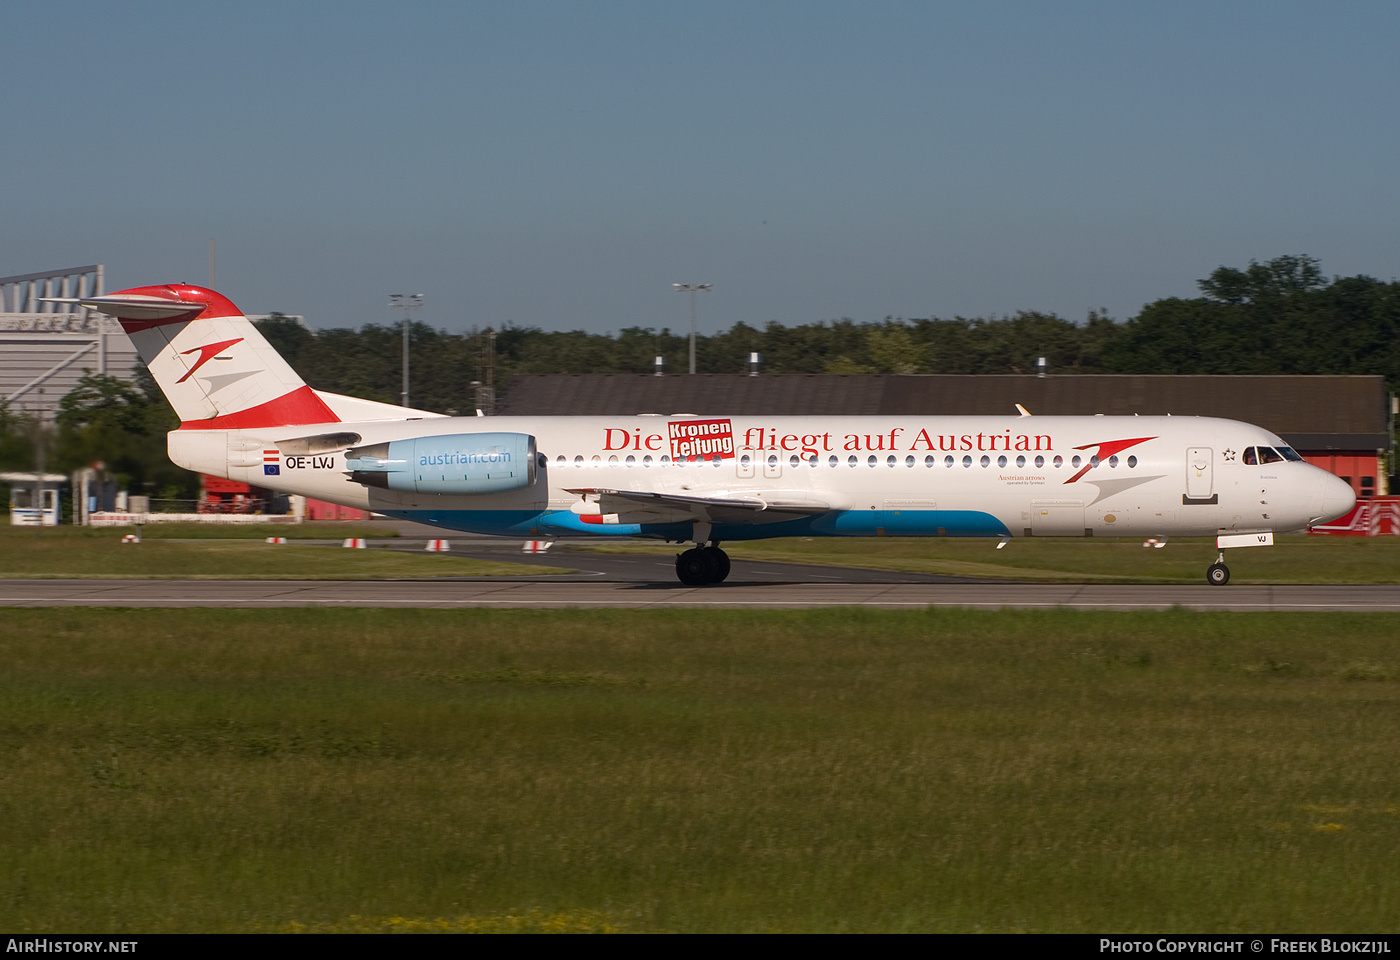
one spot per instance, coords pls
(645, 506)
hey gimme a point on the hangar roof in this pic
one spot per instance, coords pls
(1312, 413)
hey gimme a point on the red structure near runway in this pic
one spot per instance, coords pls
(217, 495)
(1376, 517)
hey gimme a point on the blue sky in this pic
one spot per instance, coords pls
(560, 164)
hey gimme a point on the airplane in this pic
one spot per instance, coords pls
(706, 479)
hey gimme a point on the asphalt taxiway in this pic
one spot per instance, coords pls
(447, 594)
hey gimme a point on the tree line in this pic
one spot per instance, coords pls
(1282, 316)
(1278, 317)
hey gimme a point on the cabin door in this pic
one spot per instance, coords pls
(1198, 473)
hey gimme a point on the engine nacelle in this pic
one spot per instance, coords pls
(459, 463)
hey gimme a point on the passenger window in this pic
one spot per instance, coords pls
(612, 459)
(1132, 461)
(1039, 461)
(909, 460)
(1075, 462)
(986, 460)
(794, 460)
(1113, 460)
(1249, 457)
(891, 460)
(646, 461)
(631, 459)
(1001, 460)
(578, 459)
(1020, 461)
(967, 460)
(872, 460)
(948, 461)
(745, 460)
(1059, 461)
(832, 460)
(1094, 460)
(852, 460)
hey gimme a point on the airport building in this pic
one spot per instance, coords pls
(46, 347)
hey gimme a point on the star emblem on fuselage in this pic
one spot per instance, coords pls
(1228, 454)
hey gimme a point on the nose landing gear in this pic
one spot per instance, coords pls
(701, 565)
(1217, 574)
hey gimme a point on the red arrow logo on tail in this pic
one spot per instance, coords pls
(206, 353)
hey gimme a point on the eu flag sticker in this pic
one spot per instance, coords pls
(271, 470)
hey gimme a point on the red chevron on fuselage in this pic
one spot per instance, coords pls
(1106, 448)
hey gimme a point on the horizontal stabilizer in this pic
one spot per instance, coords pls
(133, 306)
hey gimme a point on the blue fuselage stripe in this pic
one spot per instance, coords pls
(836, 523)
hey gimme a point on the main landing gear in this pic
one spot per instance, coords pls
(1217, 574)
(701, 565)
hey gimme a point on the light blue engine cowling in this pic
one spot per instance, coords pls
(459, 463)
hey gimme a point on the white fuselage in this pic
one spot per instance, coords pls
(854, 476)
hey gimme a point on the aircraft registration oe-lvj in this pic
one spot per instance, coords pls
(705, 479)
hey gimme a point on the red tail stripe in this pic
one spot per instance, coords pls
(300, 406)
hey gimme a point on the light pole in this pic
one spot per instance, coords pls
(40, 461)
(692, 289)
(405, 302)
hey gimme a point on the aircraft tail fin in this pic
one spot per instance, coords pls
(213, 365)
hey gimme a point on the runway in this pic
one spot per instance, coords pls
(740, 594)
(648, 580)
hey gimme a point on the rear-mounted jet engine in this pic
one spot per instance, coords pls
(460, 463)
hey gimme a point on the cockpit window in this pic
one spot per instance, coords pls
(1260, 455)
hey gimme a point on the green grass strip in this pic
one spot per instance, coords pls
(835, 770)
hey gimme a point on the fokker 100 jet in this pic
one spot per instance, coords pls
(705, 479)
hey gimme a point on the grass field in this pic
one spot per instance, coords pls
(1293, 559)
(88, 552)
(833, 770)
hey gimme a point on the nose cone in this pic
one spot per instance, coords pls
(1336, 497)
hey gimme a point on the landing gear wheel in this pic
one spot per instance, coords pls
(695, 567)
(1217, 575)
(720, 559)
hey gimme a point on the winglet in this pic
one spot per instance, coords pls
(1024, 411)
